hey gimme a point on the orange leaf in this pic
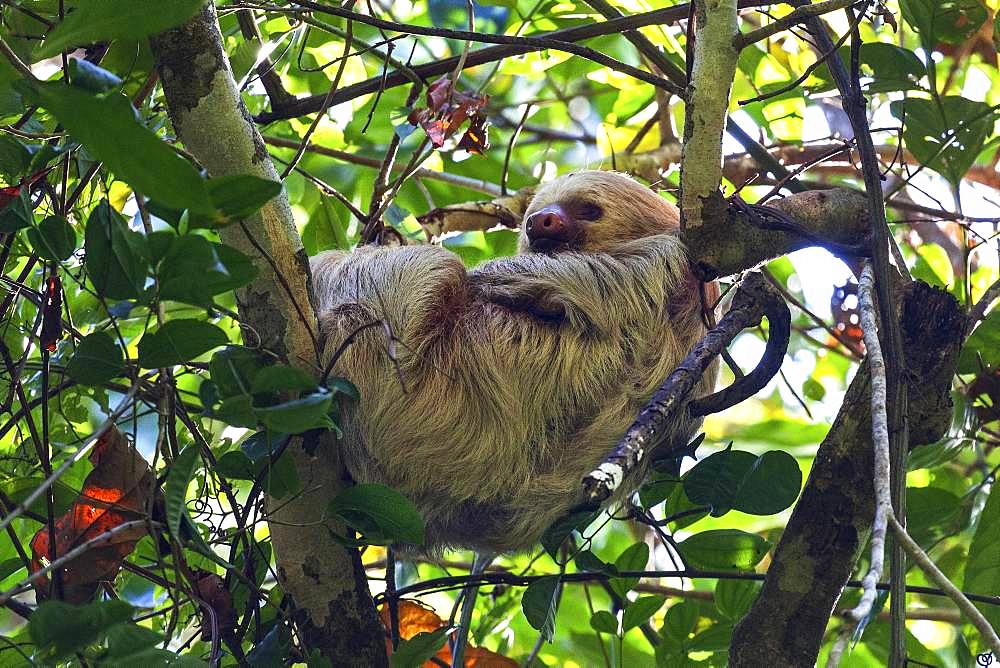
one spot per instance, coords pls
(115, 492)
(415, 617)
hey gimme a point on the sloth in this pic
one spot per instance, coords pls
(487, 394)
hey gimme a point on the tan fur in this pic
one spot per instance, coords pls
(519, 376)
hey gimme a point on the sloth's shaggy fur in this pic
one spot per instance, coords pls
(513, 380)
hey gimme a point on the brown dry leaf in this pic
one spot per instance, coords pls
(116, 491)
(415, 617)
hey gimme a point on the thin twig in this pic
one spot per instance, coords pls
(920, 558)
(880, 441)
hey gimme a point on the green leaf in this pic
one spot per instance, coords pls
(983, 344)
(53, 238)
(14, 158)
(413, 652)
(116, 258)
(563, 527)
(714, 480)
(716, 638)
(282, 378)
(105, 20)
(381, 513)
(948, 21)
(97, 359)
(813, 389)
(179, 341)
(680, 621)
(176, 485)
(931, 514)
(233, 370)
(19, 488)
(16, 214)
(126, 641)
(982, 570)
(604, 622)
(59, 629)
(298, 415)
(724, 549)
(107, 125)
(633, 558)
(236, 466)
(771, 485)
(893, 68)
(324, 230)
(945, 134)
(540, 603)
(733, 598)
(736, 479)
(261, 444)
(193, 269)
(640, 610)
(240, 195)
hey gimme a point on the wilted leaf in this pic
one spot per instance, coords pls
(117, 490)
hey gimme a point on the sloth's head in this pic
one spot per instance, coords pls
(593, 211)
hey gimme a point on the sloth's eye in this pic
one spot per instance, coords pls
(589, 211)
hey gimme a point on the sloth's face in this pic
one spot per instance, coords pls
(592, 212)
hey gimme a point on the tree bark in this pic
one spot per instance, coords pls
(833, 517)
(326, 582)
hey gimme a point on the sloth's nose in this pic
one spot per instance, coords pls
(548, 227)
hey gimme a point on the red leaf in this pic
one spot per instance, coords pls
(437, 94)
(52, 313)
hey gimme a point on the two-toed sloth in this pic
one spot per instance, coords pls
(511, 381)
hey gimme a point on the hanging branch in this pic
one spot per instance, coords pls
(880, 442)
(855, 106)
(754, 299)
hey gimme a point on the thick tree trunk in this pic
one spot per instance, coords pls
(833, 517)
(333, 606)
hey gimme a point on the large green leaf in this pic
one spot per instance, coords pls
(414, 651)
(116, 257)
(193, 270)
(725, 549)
(105, 20)
(982, 570)
(982, 347)
(97, 359)
(733, 479)
(633, 558)
(381, 513)
(540, 602)
(14, 158)
(948, 21)
(59, 629)
(298, 415)
(53, 238)
(179, 341)
(108, 126)
(947, 134)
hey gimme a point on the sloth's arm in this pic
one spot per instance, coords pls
(590, 291)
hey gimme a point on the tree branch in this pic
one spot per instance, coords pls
(327, 583)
